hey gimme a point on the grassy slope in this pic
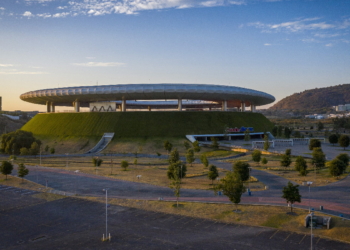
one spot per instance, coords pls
(142, 124)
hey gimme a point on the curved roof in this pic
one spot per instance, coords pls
(160, 91)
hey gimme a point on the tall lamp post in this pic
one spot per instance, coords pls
(106, 190)
(309, 183)
(311, 229)
(67, 159)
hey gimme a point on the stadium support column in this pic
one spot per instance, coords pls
(52, 107)
(76, 106)
(48, 107)
(224, 105)
(149, 108)
(242, 106)
(252, 107)
(179, 104)
(123, 105)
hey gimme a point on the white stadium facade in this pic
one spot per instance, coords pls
(178, 96)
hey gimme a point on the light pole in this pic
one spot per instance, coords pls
(309, 183)
(40, 155)
(67, 159)
(76, 182)
(311, 229)
(106, 190)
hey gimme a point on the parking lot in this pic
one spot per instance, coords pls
(71, 223)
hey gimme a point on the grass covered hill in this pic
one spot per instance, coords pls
(315, 99)
(142, 124)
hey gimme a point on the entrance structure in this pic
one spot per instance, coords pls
(163, 95)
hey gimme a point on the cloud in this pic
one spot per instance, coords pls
(103, 7)
(22, 73)
(99, 64)
(27, 14)
(62, 7)
(295, 26)
(6, 65)
(59, 15)
(267, 44)
(329, 45)
(2, 8)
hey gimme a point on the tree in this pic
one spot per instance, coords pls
(12, 142)
(196, 146)
(22, 171)
(301, 165)
(256, 156)
(320, 126)
(204, 160)
(266, 142)
(318, 158)
(97, 161)
(275, 131)
(344, 141)
(6, 168)
(246, 135)
(176, 186)
(34, 148)
(344, 158)
(168, 146)
(286, 158)
(135, 161)
(213, 173)
(124, 165)
(314, 143)
(187, 145)
(279, 131)
(47, 148)
(174, 156)
(288, 152)
(232, 187)
(336, 167)
(214, 143)
(24, 151)
(291, 194)
(264, 161)
(333, 138)
(242, 169)
(52, 150)
(190, 156)
(176, 170)
(287, 132)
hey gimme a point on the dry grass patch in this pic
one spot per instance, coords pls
(48, 196)
(14, 181)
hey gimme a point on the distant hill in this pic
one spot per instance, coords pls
(319, 99)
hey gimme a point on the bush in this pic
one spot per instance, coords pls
(314, 143)
(333, 138)
(264, 161)
(12, 142)
(301, 165)
(336, 167)
(344, 141)
(256, 155)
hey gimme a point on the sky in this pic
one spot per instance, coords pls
(280, 47)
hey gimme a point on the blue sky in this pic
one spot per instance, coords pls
(280, 47)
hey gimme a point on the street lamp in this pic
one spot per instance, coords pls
(67, 160)
(76, 182)
(311, 229)
(40, 155)
(309, 183)
(105, 190)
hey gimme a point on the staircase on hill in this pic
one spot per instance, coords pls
(102, 144)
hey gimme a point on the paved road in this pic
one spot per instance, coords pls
(71, 223)
(334, 197)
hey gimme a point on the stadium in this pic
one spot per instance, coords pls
(210, 109)
(150, 96)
